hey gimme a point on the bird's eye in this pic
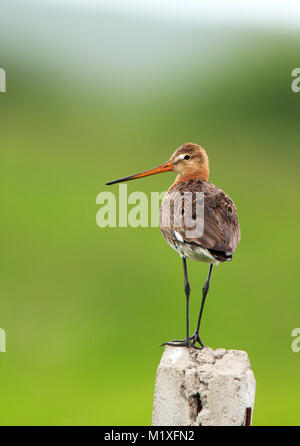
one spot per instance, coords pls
(187, 157)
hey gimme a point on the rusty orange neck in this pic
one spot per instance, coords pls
(201, 175)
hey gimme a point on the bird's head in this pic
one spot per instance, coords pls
(190, 160)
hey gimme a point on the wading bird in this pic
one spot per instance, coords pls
(209, 236)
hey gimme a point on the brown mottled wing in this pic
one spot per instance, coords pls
(220, 229)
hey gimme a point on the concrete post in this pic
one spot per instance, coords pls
(203, 388)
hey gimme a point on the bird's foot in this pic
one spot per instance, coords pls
(196, 338)
(183, 343)
(193, 340)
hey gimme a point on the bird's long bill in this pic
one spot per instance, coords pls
(166, 167)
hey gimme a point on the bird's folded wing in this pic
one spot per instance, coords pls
(212, 223)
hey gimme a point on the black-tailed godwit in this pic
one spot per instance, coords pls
(210, 236)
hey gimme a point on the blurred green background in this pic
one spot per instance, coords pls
(92, 96)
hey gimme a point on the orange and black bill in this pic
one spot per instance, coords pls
(166, 167)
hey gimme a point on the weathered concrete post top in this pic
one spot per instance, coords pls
(203, 388)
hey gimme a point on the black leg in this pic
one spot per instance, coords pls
(205, 288)
(187, 289)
